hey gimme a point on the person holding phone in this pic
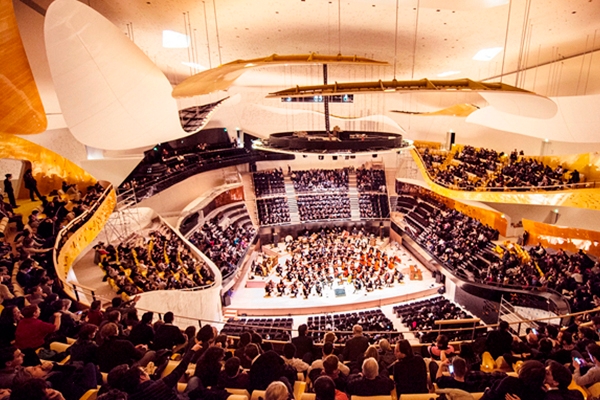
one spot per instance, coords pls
(457, 367)
(593, 374)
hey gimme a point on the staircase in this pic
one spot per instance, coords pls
(353, 195)
(250, 198)
(290, 194)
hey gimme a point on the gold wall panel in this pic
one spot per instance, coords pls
(223, 76)
(587, 164)
(49, 168)
(491, 218)
(82, 237)
(21, 109)
(580, 198)
(561, 237)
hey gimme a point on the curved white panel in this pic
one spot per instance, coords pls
(521, 104)
(577, 120)
(112, 95)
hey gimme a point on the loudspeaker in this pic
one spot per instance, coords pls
(439, 278)
(226, 300)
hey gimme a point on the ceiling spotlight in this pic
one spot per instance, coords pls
(175, 40)
(487, 54)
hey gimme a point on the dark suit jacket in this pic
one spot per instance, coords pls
(304, 344)
(358, 385)
(167, 336)
(355, 347)
(410, 375)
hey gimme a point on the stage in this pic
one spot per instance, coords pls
(250, 298)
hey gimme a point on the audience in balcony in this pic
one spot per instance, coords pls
(225, 247)
(320, 180)
(322, 207)
(370, 180)
(268, 183)
(475, 168)
(273, 211)
(160, 261)
(373, 206)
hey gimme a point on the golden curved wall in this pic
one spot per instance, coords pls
(488, 217)
(562, 237)
(82, 237)
(581, 198)
(49, 168)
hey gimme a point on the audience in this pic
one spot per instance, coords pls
(473, 168)
(273, 211)
(159, 262)
(321, 207)
(268, 183)
(320, 180)
(224, 246)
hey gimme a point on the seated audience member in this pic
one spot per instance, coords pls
(9, 319)
(34, 389)
(562, 353)
(330, 369)
(114, 351)
(527, 386)
(251, 353)
(386, 354)
(245, 338)
(233, 376)
(31, 333)
(289, 350)
(593, 374)
(11, 360)
(304, 344)
(85, 349)
(356, 346)
(71, 381)
(143, 333)
(328, 350)
(456, 380)
(95, 314)
(441, 346)
(409, 371)
(369, 382)
(325, 389)
(277, 390)
(267, 368)
(168, 335)
(208, 367)
(137, 383)
(558, 379)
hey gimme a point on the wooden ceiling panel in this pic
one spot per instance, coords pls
(21, 109)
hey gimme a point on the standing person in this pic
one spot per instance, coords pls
(356, 346)
(499, 342)
(31, 185)
(304, 344)
(8, 189)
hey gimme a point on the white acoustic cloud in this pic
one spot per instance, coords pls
(112, 95)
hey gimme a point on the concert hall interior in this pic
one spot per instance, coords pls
(191, 185)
